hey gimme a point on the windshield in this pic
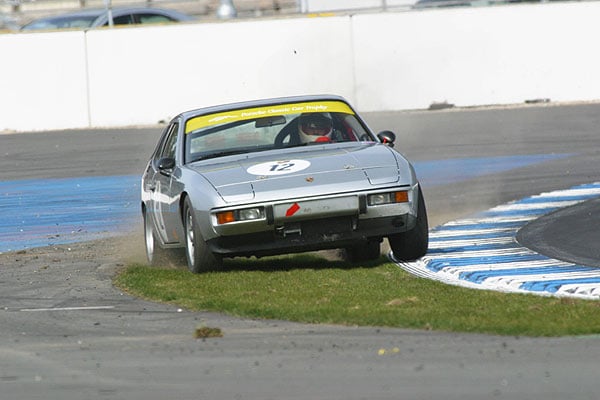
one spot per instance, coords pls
(83, 21)
(259, 129)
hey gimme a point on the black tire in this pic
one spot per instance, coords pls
(155, 254)
(368, 251)
(199, 257)
(412, 244)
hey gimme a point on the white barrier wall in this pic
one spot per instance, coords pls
(477, 56)
(140, 76)
(380, 62)
(43, 81)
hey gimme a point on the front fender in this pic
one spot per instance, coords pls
(203, 197)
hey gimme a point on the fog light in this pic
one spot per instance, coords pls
(225, 217)
(401, 197)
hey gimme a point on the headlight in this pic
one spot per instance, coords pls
(250, 213)
(378, 199)
(387, 198)
(246, 214)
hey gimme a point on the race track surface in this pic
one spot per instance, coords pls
(67, 333)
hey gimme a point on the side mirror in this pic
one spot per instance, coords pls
(387, 137)
(165, 165)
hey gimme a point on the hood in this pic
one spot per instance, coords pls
(304, 171)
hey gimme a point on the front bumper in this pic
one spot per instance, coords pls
(311, 235)
(314, 223)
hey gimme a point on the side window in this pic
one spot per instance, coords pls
(170, 144)
(152, 18)
(123, 20)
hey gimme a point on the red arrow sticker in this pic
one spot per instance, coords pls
(292, 210)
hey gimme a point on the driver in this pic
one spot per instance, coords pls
(314, 127)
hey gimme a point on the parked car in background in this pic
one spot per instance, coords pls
(279, 176)
(94, 18)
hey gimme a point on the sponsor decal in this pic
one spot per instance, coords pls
(292, 210)
(204, 121)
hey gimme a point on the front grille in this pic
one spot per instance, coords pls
(320, 229)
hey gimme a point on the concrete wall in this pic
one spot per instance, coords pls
(317, 6)
(380, 62)
(43, 81)
(492, 55)
(143, 75)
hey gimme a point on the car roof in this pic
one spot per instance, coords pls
(89, 12)
(261, 103)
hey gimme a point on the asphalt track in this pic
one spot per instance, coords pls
(42, 212)
(66, 333)
(570, 234)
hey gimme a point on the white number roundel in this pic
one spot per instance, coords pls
(278, 167)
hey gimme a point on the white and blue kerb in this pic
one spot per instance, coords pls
(482, 252)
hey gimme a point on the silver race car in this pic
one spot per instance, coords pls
(279, 176)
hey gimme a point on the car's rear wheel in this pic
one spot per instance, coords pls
(412, 244)
(368, 251)
(199, 257)
(154, 253)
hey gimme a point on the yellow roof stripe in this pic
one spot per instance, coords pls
(250, 113)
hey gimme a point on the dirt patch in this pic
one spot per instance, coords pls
(46, 276)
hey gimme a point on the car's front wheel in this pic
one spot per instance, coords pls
(199, 256)
(154, 253)
(412, 244)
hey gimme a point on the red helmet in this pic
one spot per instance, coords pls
(315, 124)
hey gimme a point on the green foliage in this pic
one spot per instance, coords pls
(307, 288)
(204, 332)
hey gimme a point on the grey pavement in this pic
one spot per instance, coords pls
(571, 234)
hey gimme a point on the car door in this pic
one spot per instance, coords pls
(164, 202)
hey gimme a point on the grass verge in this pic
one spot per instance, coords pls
(308, 288)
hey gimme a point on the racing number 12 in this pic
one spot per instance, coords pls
(281, 167)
